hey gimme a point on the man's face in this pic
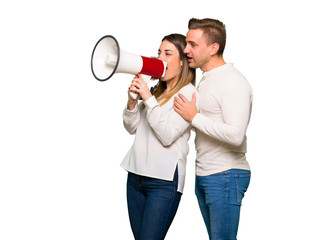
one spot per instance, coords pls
(197, 50)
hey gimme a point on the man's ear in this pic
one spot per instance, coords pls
(214, 48)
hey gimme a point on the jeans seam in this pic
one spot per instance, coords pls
(172, 202)
(226, 204)
(239, 201)
(167, 215)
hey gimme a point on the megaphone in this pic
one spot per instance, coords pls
(107, 59)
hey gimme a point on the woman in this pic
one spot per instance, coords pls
(156, 162)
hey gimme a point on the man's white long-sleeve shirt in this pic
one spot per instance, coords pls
(161, 139)
(225, 101)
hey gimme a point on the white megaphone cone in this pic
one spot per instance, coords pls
(107, 58)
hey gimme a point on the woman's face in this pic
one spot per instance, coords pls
(168, 53)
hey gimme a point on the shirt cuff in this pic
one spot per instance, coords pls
(197, 120)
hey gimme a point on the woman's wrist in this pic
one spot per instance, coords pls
(131, 105)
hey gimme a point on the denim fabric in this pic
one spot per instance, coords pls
(152, 205)
(220, 197)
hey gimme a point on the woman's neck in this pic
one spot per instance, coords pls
(170, 85)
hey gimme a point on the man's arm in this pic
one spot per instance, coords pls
(236, 111)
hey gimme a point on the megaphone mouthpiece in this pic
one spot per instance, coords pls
(153, 67)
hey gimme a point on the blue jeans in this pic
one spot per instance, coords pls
(220, 197)
(152, 205)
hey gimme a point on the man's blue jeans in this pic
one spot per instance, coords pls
(152, 205)
(219, 197)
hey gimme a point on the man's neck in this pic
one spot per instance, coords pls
(215, 62)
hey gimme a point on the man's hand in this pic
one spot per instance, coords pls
(185, 108)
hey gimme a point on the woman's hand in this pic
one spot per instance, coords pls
(140, 87)
(132, 101)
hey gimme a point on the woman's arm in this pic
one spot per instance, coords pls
(167, 128)
(131, 115)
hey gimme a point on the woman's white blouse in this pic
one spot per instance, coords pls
(161, 140)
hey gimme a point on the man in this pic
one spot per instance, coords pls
(225, 101)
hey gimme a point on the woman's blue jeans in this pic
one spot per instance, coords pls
(152, 205)
(220, 197)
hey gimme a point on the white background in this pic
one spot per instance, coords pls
(61, 133)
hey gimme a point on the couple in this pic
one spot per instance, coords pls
(219, 110)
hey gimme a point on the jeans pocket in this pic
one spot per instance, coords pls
(242, 183)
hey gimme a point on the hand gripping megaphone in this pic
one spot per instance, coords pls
(107, 59)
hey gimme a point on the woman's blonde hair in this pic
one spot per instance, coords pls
(186, 76)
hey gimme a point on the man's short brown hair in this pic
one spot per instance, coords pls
(213, 30)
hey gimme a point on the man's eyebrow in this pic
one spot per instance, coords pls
(192, 42)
